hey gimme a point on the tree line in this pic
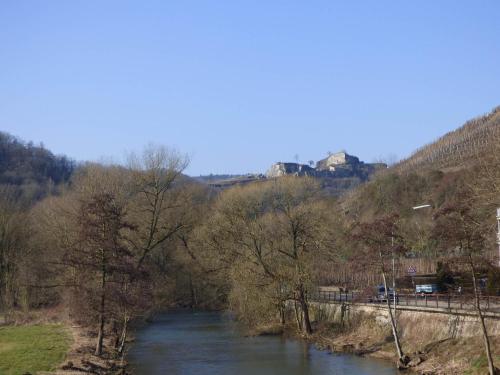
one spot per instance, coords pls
(31, 172)
(122, 241)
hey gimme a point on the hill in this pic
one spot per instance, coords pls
(466, 158)
(337, 173)
(461, 167)
(223, 181)
(459, 148)
(31, 172)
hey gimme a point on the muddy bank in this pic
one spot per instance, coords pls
(436, 343)
(81, 356)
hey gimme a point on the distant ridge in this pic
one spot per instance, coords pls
(458, 148)
(31, 172)
(337, 173)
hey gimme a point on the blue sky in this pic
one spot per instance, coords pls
(239, 85)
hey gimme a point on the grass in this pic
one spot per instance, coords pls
(32, 348)
(480, 365)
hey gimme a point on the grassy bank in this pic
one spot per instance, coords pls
(32, 348)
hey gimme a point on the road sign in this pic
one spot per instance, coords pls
(412, 270)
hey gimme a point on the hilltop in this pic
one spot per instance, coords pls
(459, 148)
(335, 165)
(31, 172)
(337, 173)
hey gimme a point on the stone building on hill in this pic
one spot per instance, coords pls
(336, 166)
(283, 169)
(335, 160)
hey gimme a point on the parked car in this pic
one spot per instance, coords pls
(423, 289)
(379, 295)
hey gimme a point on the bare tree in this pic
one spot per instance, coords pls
(13, 248)
(462, 236)
(156, 176)
(101, 249)
(382, 241)
(152, 190)
(269, 235)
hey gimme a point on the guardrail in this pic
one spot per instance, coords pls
(439, 301)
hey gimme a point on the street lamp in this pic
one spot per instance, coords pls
(394, 263)
(393, 259)
(422, 206)
(415, 208)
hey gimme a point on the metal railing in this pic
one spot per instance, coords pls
(438, 301)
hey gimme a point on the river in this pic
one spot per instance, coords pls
(209, 344)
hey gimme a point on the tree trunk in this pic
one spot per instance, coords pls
(282, 311)
(123, 337)
(394, 286)
(100, 335)
(393, 323)
(487, 348)
(194, 301)
(305, 310)
(114, 329)
(343, 309)
(297, 316)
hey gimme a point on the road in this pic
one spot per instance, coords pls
(437, 301)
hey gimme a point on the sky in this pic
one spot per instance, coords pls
(238, 85)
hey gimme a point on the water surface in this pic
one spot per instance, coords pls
(209, 344)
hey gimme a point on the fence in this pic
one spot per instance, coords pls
(439, 301)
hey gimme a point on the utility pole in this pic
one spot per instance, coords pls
(393, 276)
(498, 234)
(394, 261)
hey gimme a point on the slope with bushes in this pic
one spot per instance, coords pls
(32, 172)
(459, 148)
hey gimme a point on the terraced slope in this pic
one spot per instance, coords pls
(459, 148)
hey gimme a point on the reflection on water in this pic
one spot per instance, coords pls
(208, 344)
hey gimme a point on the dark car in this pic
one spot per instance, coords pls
(379, 295)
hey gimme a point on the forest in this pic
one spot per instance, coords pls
(31, 172)
(107, 246)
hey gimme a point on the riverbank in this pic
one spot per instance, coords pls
(437, 344)
(46, 342)
(449, 356)
(80, 358)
